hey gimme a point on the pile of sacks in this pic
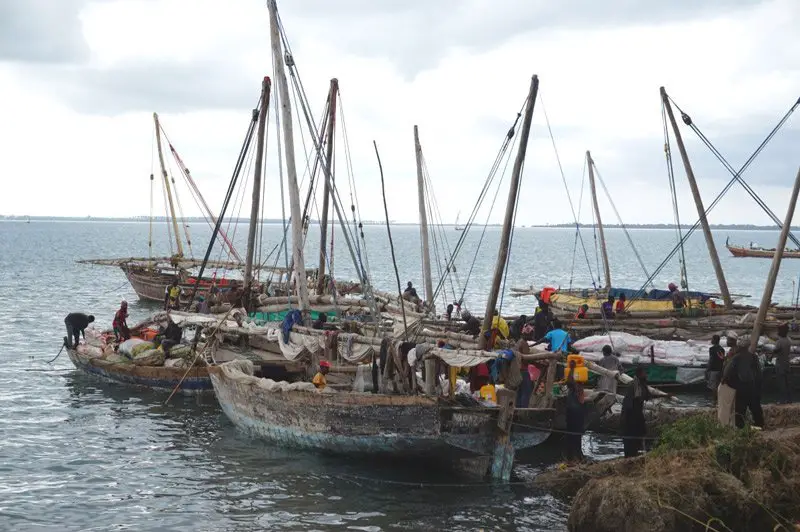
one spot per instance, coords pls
(141, 352)
(633, 349)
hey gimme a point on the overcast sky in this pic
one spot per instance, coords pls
(81, 78)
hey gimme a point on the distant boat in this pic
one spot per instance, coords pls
(457, 227)
(754, 250)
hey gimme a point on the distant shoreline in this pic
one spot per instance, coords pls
(162, 219)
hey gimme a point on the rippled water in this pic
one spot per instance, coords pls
(77, 454)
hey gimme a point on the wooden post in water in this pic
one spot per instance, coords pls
(291, 170)
(698, 201)
(766, 299)
(508, 222)
(255, 207)
(423, 223)
(323, 222)
(166, 184)
(590, 165)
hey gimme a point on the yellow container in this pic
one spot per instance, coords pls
(487, 392)
(577, 358)
(581, 373)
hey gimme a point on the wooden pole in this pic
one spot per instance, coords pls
(291, 170)
(166, 184)
(590, 164)
(254, 209)
(698, 201)
(508, 222)
(423, 223)
(323, 221)
(766, 299)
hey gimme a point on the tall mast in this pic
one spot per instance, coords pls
(590, 164)
(291, 170)
(766, 299)
(254, 209)
(323, 222)
(423, 223)
(166, 184)
(698, 201)
(508, 222)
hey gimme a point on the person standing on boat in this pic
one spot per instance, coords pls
(620, 307)
(500, 325)
(76, 323)
(471, 325)
(542, 321)
(120, 323)
(320, 381)
(716, 357)
(410, 292)
(607, 309)
(678, 301)
(782, 353)
(517, 325)
(743, 374)
(172, 296)
(558, 339)
(610, 361)
(632, 422)
(576, 416)
(581, 315)
(449, 313)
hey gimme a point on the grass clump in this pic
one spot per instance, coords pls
(691, 433)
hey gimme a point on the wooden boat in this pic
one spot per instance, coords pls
(572, 301)
(103, 363)
(425, 428)
(759, 252)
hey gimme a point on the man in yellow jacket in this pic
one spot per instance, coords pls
(500, 324)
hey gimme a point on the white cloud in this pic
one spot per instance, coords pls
(81, 132)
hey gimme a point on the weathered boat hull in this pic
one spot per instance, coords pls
(393, 426)
(156, 378)
(740, 251)
(152, 285)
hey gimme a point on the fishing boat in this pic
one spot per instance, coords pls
(99, 357)
(754, 250)
(457, 226)
(395, 420)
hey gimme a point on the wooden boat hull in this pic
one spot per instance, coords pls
(156, 378)
(573, 303)
(740, 251)
(393, 426)
(151, 285)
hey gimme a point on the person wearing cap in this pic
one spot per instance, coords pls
(76, 323)
(120, 323)
(319, 379)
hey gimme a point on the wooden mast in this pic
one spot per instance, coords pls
(766, 299)
(291, 170)
(423, 223)
(590, 164)
(323, 222)
(255, 207)
(508, 222)
(698, 201)
(166, 184)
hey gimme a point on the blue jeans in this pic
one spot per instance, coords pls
(525, 390)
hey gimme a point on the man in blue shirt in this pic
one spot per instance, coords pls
(558, 339)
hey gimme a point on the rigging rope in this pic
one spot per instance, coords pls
(566, 187)
(722, 193)
(674, 193)
(688, 121)
(575, 241)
